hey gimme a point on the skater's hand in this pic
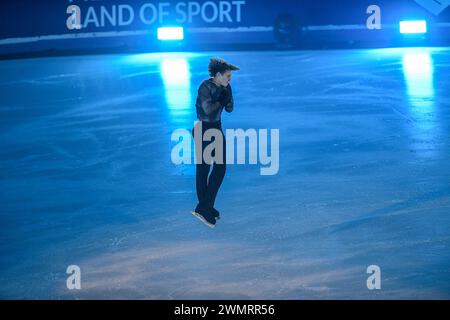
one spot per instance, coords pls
(229, 106)
(225, 96)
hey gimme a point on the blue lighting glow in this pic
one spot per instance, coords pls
(412, 27)
(177, 84)
(418, 71)
(170, 33)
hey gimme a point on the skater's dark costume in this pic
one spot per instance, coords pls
(211, 100)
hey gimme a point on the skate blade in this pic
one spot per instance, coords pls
(199, 217)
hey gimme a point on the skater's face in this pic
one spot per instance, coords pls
(223, 78)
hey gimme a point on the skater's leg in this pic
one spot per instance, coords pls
(216, 177)
(201, 179)
(201, 176)
(215, 181)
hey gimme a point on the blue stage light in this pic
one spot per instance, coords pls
(170, 33)
(416, 26)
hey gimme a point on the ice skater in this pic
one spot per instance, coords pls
(214, 95)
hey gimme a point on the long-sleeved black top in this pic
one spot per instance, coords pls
(209, 109)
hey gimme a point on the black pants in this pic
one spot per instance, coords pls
(207, 188)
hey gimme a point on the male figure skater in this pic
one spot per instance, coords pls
(214, 94)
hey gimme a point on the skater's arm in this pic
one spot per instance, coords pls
(208, 104)
(230, 105)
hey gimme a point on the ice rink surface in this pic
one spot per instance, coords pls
(364, 177)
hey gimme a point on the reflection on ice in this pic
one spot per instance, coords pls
(155, 57)
(418, 72)
(176, 78)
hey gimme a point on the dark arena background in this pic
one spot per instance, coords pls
(354, 98)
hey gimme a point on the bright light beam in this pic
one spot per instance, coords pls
(170, 33)
(412, 27)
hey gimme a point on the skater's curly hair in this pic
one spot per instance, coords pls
(220, 65)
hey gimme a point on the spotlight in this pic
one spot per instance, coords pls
(170, 33)
(417, 26)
